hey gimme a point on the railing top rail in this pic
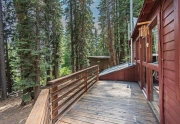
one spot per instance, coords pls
(71, 75)
(37, 115)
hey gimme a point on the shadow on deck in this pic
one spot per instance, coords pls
(111, 102)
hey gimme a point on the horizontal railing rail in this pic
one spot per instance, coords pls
(41, 112)
(65, 91)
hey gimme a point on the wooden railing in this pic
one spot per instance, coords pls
(67, 90)
(41, 114)
(52, 104)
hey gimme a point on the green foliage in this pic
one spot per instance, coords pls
(65, 71)
(37, 45)
(137, 7)
(43, 67)
(35, 42)
(66, 51)
(80, 26)
(24, 85)
(119, 11)
(26, 97)
(21, 85)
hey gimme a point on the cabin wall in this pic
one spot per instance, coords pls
(134, 52)
(128, 74)
(168, 20)
(103, 63)
(137, 50)
(170, 60)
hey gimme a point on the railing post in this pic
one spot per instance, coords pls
(85, 80)
(97, 79)
(53, 98)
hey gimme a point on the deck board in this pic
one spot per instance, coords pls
(111, 102)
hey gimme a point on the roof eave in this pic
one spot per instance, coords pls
(145, 11)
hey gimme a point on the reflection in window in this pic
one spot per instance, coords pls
(155, 87)
(155, 44)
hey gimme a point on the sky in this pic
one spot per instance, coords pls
(94, 10)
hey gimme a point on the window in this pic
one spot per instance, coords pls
(154, 36)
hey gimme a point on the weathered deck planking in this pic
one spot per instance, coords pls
(111, 102)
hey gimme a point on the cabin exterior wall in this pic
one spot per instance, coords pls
(170, 64)
(134, 52)
(167, 17)
(103, 63)
(127, 74)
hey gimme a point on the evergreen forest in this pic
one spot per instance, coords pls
(36, 46)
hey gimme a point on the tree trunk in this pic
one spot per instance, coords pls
(122, 54)
(55, 62)
(110, 39)
(2, 59)
(72, 38)
(8, 72)
(82, 36)
(37, 88)
(48, 71)
(76, 36)
(48, 59)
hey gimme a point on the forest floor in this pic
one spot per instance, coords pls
(12, 113)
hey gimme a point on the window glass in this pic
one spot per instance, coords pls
(155, 44)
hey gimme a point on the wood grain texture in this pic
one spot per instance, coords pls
(171, 105)
(169, 55)
(177, 38)
(169, 46)
(168, 28)
(177, 45)
(40, 114)
(168, 37)
(166, 4)
(111, 102)
(171, 61)
(169, 74)
(169, 65)
(168, 20)
(168, 10)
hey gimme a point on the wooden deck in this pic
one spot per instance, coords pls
(111, 102)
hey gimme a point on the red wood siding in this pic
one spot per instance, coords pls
(177, 45)
(128, 74)
(137, 50)
(134, 51)
(167, 17)
(171, 103)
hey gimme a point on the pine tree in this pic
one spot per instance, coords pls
(9, 21)
(2, 59)
(80, 23)
(37, 40)
(113, 20)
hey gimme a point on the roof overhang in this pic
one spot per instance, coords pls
(144, 14)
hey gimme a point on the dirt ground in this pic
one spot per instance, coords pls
(12, 113)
